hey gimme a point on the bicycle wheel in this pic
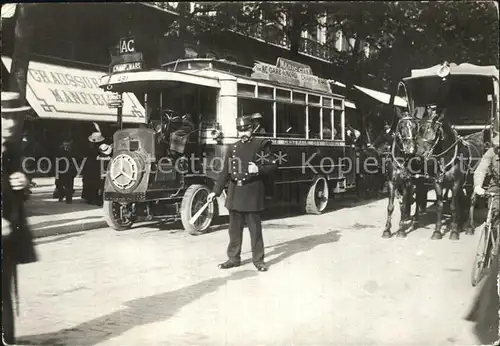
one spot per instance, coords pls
(483, 256)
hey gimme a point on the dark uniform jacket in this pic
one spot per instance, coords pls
(18, 245)
(245, 191)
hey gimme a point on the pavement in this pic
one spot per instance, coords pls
(333, 280)
(48, 217)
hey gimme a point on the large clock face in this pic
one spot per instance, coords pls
(123, 171)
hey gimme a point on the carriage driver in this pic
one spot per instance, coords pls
(489, 165)
(245, 166)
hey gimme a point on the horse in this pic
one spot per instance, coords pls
(398, 167)
(450, 158)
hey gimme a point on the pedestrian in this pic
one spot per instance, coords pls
(244, 167)
(66, 172)
(92, 170)
(17, 240)
(105, 154)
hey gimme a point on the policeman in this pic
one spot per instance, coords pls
(245, 165)
(17, 240)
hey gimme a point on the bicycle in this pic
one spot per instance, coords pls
(486, 247)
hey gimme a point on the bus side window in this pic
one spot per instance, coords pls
(290, 120)
(337, 125)
(314, 123)
(265, 108)
(327, 123)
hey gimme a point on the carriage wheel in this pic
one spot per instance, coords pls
(317, 197)
(119, 217)
(194, 198)
(484, 254)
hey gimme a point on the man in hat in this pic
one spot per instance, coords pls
(66, 172)
(256, 123)
(486, 306)
(92, 170)
(105, 154)
(245, 165)
(17, 240)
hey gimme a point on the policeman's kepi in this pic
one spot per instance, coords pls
(244, 126)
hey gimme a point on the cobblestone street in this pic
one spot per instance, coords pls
(332, 280)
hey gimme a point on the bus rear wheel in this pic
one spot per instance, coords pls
(317, 196)
(193, 200)
(119, 217)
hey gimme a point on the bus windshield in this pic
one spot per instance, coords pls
(198, 101)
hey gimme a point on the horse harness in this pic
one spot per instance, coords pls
(444, 168)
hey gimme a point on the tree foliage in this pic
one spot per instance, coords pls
(401, 35)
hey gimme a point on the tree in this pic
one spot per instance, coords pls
(22, 49)
(257, 19)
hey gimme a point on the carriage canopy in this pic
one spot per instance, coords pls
(467, 93)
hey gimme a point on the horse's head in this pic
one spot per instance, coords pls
(406, 133)
(430, 132)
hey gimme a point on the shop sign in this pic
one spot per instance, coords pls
(60, 92)
(290, 76)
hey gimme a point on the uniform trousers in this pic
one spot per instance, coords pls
(237, 222)
(8, 269)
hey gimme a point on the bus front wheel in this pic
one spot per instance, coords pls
(118, 216)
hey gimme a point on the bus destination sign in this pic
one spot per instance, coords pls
(127, 58)
(291, 73)
(129, 66)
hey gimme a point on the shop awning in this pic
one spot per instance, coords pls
(382, 97)
(59, 92)
(349, 104)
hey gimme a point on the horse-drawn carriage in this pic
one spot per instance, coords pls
(439, 141)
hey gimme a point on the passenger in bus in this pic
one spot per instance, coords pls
(257, 123)
(245, 168)
(327, 133)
